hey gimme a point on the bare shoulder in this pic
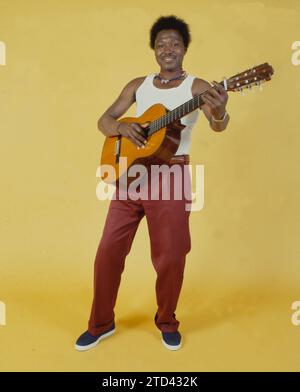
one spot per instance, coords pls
(131, 87)
(137, 82)
(199, 85)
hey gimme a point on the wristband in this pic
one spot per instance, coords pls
(220, 120)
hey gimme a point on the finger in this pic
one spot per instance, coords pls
(211, 100)
(215, 97)
(206, 98)
(131, 135)
(140, 132)
(138, 137)
(138, 128)
(215, 94)
(209, 103)
(220, 88)
(218, 85)
(134, 140)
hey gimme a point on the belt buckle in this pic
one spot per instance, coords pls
(180, 159)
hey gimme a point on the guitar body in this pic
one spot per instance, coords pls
(163, 142)
(160, 147)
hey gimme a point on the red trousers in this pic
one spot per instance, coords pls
(168, 227)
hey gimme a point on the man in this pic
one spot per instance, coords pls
(168, 220)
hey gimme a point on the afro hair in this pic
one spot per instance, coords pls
(170, 22)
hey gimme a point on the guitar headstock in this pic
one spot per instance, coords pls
(251, 77)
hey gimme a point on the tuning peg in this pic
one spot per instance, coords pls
(252, 89)
(259, 85)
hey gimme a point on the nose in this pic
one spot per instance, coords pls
(168, 50)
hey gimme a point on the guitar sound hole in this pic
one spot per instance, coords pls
(146, 131)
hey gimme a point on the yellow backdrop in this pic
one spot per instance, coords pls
(66, 61)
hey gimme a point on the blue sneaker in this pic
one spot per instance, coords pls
(87, 340)
(171, 340)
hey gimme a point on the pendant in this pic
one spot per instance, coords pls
(164, 81)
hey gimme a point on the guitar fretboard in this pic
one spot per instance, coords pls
(177, 113)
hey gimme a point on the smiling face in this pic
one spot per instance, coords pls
(169, 50)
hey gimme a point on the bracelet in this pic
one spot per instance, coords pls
(220, 120)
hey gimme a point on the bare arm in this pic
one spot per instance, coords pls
(107, 123)
(199, 87)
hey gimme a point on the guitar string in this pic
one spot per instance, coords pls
(167, 118)
(174, 114)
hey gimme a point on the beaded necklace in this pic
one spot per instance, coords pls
(162, 80)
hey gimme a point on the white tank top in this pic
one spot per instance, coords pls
(147, 95)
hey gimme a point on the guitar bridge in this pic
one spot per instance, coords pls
(118, 149)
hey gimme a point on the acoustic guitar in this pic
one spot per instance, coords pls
(163, 130)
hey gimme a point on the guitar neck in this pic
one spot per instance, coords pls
(177, 113)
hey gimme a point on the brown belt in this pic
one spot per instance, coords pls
(185, 158)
